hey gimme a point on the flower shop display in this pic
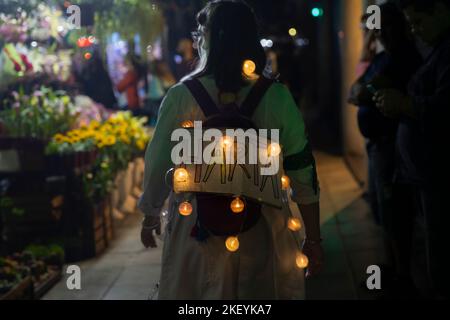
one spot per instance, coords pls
(71, 165)
(40, 115)
(28, 122)
(117, 141)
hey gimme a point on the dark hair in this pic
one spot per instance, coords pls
(137, 63)
(233, 39)
(395, 32)
(422, 5)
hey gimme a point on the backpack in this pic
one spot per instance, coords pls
(214, 214)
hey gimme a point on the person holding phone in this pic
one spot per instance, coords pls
(424, 113)
(391, 68)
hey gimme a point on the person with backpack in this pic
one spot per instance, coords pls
(222, 244)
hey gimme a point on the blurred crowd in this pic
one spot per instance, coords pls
(403, 100)
(143, 83)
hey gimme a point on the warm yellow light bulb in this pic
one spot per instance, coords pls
(185, 208)
(249, 68)
(285, 182)
(187, 124)
(180, 175)
(274, 149)
(232, 244)
(237, 205)
(301, 260)
(227, 142)
(292, 32)
(294, 224)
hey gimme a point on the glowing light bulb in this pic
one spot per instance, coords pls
(274, 149)
(292, 32)
(301, 260)
(187, 124)
(294, 224)
(249, 68)
(232, 244)
(87, 55)
(237, 205)
(180, 175)
(285, 182)
(185, 209)
(227, 142)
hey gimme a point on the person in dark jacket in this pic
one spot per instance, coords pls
(391, 68)
(94, 80)
(423, 132)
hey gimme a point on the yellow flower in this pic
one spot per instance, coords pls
(59, 138)
(74, 139)
(110, 140)
(94, 125)
(125, 139)
(100, 144)
(141, 144)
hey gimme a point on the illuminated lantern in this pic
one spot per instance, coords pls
(294, 224)
(237, 205)
(232, 244)
(185, 209)
(274, 149)
(227, 142)
(187, 124)
(301, 260)
(285, 182)
(249, 68)
(180, 175)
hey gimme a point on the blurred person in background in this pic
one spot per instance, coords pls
(390, 69)
(424, 112)
(93, 79)
(369, 49)
(129, 84)
(160, 81)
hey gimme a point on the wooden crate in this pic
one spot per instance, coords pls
(22, 291)
(42, 287)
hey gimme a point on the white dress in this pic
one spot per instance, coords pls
(264, 266)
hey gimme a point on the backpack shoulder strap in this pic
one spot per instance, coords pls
(255, 96)
(202, 97)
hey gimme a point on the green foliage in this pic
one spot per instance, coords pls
(130, 17)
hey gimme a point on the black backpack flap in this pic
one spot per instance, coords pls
(202, 97)
(255, 96)
(247, 109)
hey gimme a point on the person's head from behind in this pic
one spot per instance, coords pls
(429, 19)
(394, 33)
(227, 36)
(133, 63)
